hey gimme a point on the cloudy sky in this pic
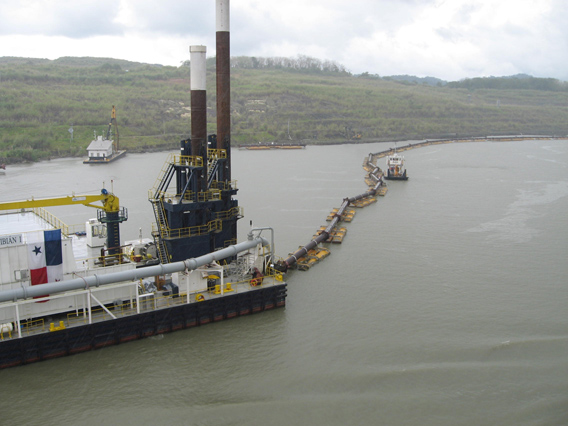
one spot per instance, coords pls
(448, 39)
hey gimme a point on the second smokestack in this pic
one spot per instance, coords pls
(199, 109)
(223, 84)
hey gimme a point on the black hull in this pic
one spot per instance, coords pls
(26, 350)
(105, 160)
(389, 176)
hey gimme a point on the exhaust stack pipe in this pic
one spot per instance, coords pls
(223, 84)
(199, 110)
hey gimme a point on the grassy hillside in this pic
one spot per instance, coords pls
(41, 99)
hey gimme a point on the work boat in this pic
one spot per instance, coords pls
(395, 167)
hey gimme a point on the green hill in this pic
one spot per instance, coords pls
(311, 101)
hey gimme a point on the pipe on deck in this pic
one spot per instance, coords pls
(131, 275)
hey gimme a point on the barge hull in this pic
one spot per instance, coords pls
(34, 348)
(106, 160)
(396, 177)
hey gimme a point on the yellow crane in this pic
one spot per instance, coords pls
(115, 124)
(109, 212)
(109, 202)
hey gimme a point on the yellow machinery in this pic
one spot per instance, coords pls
(115, 124)
(110, 212)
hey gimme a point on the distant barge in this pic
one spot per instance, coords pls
(104, 159)
(273, 145)
(103, 150)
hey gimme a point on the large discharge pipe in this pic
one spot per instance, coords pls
(285, 264)
(130, 275)
(199, 110)
(223, 63)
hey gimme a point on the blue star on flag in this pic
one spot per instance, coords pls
(37, 250)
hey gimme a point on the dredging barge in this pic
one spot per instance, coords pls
(203, 290)
(203, 274)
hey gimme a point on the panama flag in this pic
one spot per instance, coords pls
(44, 256)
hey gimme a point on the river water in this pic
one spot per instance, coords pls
(445, 304)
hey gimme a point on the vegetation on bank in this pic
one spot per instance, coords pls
(271, 99)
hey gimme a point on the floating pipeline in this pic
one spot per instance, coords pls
(375, 175)
(374, 180)
(428, 142)
(304, 257)
(347, 216)
(312, 257)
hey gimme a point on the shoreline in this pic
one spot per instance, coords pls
(307, 143)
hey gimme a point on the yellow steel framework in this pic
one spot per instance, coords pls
(216, 154)
(109, 201)
(235, 211)
(223, 186)
(193, 231)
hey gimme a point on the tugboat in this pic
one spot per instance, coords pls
(395, 167)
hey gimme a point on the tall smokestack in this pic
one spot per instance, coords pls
(223, 84)
(199, 110)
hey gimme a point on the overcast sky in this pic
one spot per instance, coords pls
(448, 39)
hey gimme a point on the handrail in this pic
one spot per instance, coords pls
(187, 160)
(227, 214)
(194, 231)
(51, 219)
(224, 186)
(216, 153)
